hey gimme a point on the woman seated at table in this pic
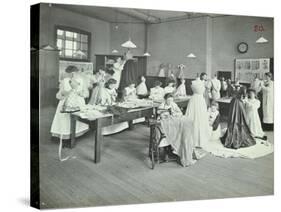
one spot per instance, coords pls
(130, 92)
(169, 107)
(157, 92)
(177, 128)
(109, 94)
(108, 97)
(181, 90)
(170, 88)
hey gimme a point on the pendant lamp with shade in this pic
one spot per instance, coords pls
(115, 51)
(146, 53)
(129, 45)
(261, 40)
(115, 28)
(191, 54)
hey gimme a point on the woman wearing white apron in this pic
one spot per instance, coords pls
(216, 87)
(61, 122)
(268, 101)
(251, 106)
(100, 79)
(181, 90)
(108, 97)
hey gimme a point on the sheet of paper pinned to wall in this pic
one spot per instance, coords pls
(82, 66)
(246, 70)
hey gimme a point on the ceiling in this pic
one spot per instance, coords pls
(128, 15)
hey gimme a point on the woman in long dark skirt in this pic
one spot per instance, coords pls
(238, 134)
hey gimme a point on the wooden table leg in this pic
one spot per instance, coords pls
(98, 141)
(72, 130)
(131, 125)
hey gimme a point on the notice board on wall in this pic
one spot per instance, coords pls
(82, 66)
(246, 70)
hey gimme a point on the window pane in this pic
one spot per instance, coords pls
(62, 53)
(77, 36)
(76, 45)
(69, 34)
(59, 32)
(84, 38)
(86, 55)
(59, 43)
(68, 44)
(68, 53)
(84, 46)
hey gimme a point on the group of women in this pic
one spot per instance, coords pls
(201, 117)
(243, 137)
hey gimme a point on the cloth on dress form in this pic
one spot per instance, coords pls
(142, 89)
(161, 73)
(197, 112)
(268, 102)
(181, 90)
(251, 107)
(238, 133)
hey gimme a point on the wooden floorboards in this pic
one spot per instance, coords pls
(124, 176)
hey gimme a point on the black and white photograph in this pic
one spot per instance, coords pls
(139, 105)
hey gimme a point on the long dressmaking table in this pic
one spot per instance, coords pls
(97, 123)
(224, 104)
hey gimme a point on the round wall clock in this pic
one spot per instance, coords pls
(242, 47)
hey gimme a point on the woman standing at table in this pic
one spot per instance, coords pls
(61, 122)
(100, 78)
(268, 101)
(118, 67)
(208, 85)
(216, 87)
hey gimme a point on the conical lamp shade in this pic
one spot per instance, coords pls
(191, 55)
(147, 54)
(115, 51)
(129, 44)
(261, 40)
(48, 47)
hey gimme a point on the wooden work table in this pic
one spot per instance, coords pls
(96, 124)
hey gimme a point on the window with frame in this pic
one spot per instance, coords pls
(73, 44)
